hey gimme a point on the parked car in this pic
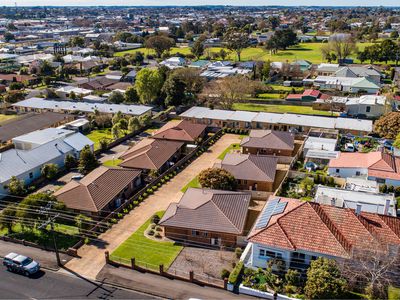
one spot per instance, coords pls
(349, 147)
(77, 177)
(21, 264)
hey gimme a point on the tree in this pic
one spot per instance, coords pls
(16, 187)
(282, 39)
(87, 160)
(174, 90)
(159, 43)
(7, 217)
(116, 131)
(216, 178)
(8, 36)
(116, 118)
(16, 86)
(131, 95)
(375, 267)
(324, 280)
(70, 162)
(273, 22)
(49, 171)
(198, 47)
(148, 85)
(77, 41)
(342, 47)
(133, 124)
(116, 97)
(14, 96)
(388, 126)
(236, 40)
(82, 222)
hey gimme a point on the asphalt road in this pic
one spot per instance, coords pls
(51, 285)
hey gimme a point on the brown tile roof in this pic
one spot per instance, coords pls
(184, 131)
(93, 192)
(119, 86)
(150, 154)
(209, 210)
(250, 166)
(269, 139)
(16, 77)
(325, 229)
(30, 122)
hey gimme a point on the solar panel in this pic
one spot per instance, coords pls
(274, 207)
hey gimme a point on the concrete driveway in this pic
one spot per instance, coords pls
(92, 254)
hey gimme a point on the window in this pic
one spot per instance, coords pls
(262, 252)
(380, 180)
(337, 170)
(195, 233)
(358, 173)
(30, 175)
(298, 257)
(368, 109)
(205, 233)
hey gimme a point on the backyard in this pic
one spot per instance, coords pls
(305, 110)
(100, 134)
(147, 252)
(112, 162)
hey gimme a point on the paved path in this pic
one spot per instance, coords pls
(92, 254)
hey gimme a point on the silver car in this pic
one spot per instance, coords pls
(21, 264)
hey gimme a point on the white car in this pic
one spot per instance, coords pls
(21, 264)
(349, 147)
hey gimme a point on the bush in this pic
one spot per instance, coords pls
(158, 235)
(390, 189)
(145, 195)
(113, 221)
(135, 202)
(235, 274)
(153, 226)
(150, 232)
(238, 252)
(155, 219)
(119, 215)
(225, 273)
(158, 228)
(383, 188)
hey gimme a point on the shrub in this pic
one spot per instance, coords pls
(155, 219)
(225, 273)
(158, 228)
(159, 184)
(162, 180)
(153, 226)
(113, 220)
(140, 198)
(383, 188)
(390, 189)
(235, 274)
(130, 206)
(158, 235)
(145, 195)
(119, 215)
(135, 202)
(238, 252)
(150, 232)
(125, 211)
(397, 191)
(155, 188)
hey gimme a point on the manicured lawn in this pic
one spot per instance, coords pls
(148, 253)
(278, 87)
(6, 117)
(112, 162)
(99, 134)
(394, 293)
(229, 149)
(271, 96)
(194, 183)
(305, 110)
(174, 50)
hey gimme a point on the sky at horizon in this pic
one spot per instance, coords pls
(200, 2)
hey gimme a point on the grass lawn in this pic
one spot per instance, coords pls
(112, 162)
(394, 293)
(229, 149)
(97, 135)
(271, 96)
(305, 110)
(4, 118)
(148, 253)
(278, 87)
(194, 183)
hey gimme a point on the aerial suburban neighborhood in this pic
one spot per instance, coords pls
(186, 151)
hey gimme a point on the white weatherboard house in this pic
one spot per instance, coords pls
(32, 151)
(368, 105)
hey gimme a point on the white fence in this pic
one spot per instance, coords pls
(265, 295)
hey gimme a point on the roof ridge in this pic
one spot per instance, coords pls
(285, 233)
(212, 200)
(331, 226)
(393, 226)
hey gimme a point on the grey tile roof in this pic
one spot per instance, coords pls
(269, 139)
(209, 210)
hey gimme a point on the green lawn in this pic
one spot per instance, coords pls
(305, 110)
(394, 293)
(229, 149)
(306, 51)
(278, 87)
(112, 162)
(99, 134)
(148, 253)
(4, 118)
(271, 96)
(194, 183)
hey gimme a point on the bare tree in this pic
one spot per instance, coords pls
(342, 47)
(373, 268)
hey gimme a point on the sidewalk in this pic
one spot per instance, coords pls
(161, 286)
(92, 254)
(47, 259)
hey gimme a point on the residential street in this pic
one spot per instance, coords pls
(51, 285)
(92, 260)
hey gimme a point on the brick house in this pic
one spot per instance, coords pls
(268, 142)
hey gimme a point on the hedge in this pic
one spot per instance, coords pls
(235, 274)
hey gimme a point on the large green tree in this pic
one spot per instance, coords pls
(217, 178)
(388, 126)
(159, 43)
(148, 85)
(87, 160)
(49, 171)
(236, 40)
(198, 47)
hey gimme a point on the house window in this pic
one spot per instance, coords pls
(195, 233)
(262, 252)
(30, 175)
(205, 233)
(298, 257)
(380, 180)
(358, 173)
(368, 109)
(337, 170)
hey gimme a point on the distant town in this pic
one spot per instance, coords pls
(205, 152)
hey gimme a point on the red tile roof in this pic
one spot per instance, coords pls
(325, 229)
(184, 131)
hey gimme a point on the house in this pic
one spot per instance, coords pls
(100, 83)
(372, 106)
(101, 191)
(299, 231)
(268, 142)
(131, 76)
(152, 154)
(373, 202)
(335, 70)
(252, 172)
(32, 151)
(30, 122)
(302, 64)
(174, 62)
(183, 131)
(10, 78)
(307, 95)
(65, 92)
(347, 84)
(320, 150)
(381, 167)
(207, 217)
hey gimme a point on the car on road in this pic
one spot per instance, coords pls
(21, 264)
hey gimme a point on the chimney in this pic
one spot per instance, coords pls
(358, 209)
(387, 206)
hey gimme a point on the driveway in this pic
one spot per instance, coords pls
(92, 254)
(59, 183)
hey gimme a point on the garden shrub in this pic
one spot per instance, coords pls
(145, 195)
(390, 189)
(238, 252)
(153, 226)
(235, 274)
(155, 219)
(135, 202)
(158, 235)
(225, 273)
(150, 232)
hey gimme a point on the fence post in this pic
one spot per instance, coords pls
(225, 283)
(133, 264)
(191, 276)
(107, 255)
(161, 269)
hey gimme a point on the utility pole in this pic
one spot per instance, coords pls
(45, 210)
